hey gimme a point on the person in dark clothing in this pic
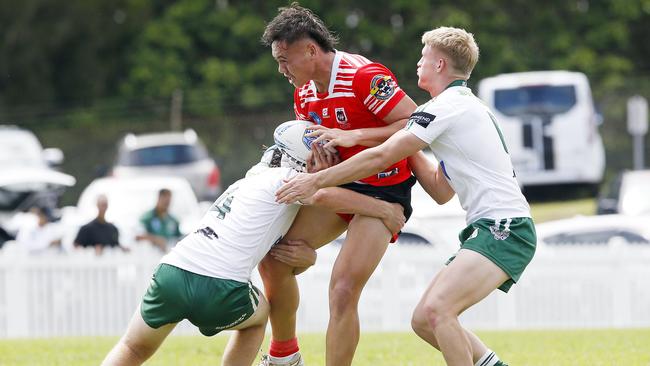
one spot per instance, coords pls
(99, 233)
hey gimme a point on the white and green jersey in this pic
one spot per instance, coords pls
(466, 139)
(238, 230)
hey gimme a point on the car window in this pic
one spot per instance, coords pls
(162, 155)
(540, 99)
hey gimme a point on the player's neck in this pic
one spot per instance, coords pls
(323, 72)
(443, 83)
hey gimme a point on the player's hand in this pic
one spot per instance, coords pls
(295, 253)
(394, 218)
(320, 158)
(332, 137)
(299, 187)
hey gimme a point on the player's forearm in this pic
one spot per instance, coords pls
(374, 136)
(368, 162)
(431, 178)
(343, 200)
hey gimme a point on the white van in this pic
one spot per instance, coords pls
(550, 126)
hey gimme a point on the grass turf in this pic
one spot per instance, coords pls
(629, 347)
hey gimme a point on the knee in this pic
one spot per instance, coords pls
(419, 322)
(433, 312)
(272, 270)
(344, 297)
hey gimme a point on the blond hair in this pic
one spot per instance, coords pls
(456, 43)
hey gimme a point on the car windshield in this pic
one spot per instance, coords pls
(162, 155)
(538, 99)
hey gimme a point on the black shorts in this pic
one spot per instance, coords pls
(398, 193)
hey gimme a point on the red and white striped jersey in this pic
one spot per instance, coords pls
(361, 93)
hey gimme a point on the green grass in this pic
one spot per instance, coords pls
(521, 348)
(547, 211)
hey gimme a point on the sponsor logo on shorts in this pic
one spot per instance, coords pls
(239, 320)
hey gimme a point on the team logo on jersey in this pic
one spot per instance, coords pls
(382, 87)
(421, 118)
(315, 118)
(341, 117)
(326, 112)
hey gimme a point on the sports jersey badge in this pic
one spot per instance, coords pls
(382, 87)
(341, 117)
(326, 113)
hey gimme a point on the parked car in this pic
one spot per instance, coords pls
(628, 194)
(550, 126)
(26, 176)
(19, 148)
(128, 199)
(592, 231)
(179, 154)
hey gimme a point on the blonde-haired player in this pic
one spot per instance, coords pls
(474, 163)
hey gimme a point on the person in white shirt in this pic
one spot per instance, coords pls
(474, 163)
(205, 278)
(39, 234)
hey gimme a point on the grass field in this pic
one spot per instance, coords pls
(518, 348)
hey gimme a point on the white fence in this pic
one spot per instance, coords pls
(81, 294)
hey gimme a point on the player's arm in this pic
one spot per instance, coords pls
(431, 178)
(370, 161)
(341, 200)
(395, 120)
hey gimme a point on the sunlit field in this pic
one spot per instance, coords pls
(534, 348)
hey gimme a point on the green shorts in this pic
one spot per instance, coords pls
(211, 304)
(509, 243)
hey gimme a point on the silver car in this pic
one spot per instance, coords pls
(180, 154)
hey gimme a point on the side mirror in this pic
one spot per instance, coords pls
(53, 156)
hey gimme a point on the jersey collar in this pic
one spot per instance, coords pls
(458, 82)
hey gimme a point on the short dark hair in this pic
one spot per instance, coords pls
(164, 192)
(294, 23)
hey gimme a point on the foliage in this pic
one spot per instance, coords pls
(86, 64)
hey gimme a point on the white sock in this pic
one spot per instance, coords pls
(488, 359)
(282, 360)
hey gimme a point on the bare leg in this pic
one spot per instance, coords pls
(366, 242)
(422, 328)
(247, 339)
(464, 282)
(316, 226)
(138, 344)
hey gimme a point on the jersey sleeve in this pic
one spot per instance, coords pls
(376, 87)
(430, 121)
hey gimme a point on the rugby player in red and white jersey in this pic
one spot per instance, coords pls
(357, 104)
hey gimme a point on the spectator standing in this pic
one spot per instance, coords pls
(162, 229)
(39, 234)
(99, 233)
